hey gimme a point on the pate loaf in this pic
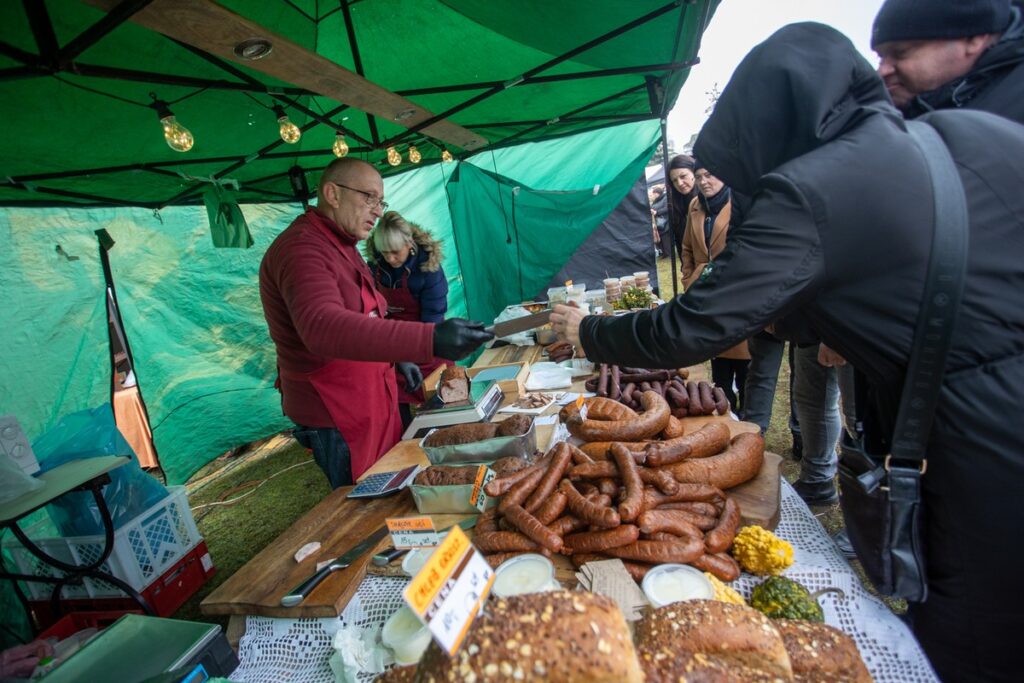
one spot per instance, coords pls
(453, 385)
(510, 464)
(460, 434)
(446, 475)
(712, 637)
(560, 636)
(517, 425)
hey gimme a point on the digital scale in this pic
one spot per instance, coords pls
(484, 400)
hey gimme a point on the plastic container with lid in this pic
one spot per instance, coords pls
(406, 635)
(668, 583)
(557, 295)
(528, 573)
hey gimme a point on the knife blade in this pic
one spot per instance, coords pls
(527, 322)
(302, 591)
(389, 555)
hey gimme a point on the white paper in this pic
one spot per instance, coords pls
(556, 378)
(357, 651)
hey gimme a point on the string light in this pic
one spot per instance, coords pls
(340, 147)
(414, 155)
(290, 133)
(394, 158)
(178, 137)
(446, 156)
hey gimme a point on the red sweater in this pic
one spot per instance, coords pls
(311, 300)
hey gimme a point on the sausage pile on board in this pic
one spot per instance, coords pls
(637, 489)
(626, 385)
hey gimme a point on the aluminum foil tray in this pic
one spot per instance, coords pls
(486, 451)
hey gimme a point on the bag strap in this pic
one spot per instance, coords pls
(940, 302)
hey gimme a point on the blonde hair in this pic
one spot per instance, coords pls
(392, 233)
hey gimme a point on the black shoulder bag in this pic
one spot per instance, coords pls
(881, 497)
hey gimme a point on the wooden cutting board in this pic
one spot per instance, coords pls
(338, 524)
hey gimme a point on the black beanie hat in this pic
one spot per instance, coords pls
(938, 19)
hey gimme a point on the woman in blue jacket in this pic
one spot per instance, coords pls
(406, 265)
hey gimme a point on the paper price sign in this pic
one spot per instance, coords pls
(448, 592)
(412, 532)
(478, 498)
(581, 405)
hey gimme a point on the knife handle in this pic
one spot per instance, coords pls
(302, 591)
(387, 556)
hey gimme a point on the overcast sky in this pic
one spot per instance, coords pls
(739, 25)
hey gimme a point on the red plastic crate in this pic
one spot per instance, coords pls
(165, 595)
(72, 623)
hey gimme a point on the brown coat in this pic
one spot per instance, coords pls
(697, 254)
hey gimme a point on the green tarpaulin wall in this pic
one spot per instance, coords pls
(203, 359)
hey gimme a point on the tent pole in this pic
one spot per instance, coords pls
(668, 195)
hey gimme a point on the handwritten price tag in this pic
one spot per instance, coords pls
(478, 498)
(412, 532)
(448, 592)
(581, 405)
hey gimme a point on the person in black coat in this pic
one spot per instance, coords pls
(837, 238)
(948, 54)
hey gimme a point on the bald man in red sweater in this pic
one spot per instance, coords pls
(336, 351)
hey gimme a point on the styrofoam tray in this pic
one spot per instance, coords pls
(531, 411)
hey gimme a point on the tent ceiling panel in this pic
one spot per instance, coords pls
(92, 111)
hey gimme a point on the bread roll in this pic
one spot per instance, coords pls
(819, 652)
(712, 636)
(561, 637)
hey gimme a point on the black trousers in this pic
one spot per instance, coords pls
(725, 371)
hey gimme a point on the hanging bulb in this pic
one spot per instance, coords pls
(394, 158)
(340, 147)
(290, 133)
(177, 136)
(414, 155)
(446, 156)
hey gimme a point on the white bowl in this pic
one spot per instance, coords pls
(527, 573)
(668, 583)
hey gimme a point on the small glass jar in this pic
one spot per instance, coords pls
(406, 635)
(527, 573)
(668, 583)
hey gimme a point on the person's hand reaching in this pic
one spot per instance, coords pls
(565, 321)
(456, 338)
(412, 374)
(20, 661)
(829, 358)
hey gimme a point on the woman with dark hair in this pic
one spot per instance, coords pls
(683, 188)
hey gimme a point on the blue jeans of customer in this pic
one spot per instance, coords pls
(762, 376)
(330, 451)
(816, 395)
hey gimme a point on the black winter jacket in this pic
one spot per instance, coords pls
(995, 84)
(837, 236)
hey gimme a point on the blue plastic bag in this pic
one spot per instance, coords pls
(90, 434)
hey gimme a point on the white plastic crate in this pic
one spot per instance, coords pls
(144, 548)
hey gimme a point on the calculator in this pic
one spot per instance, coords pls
(384, 483)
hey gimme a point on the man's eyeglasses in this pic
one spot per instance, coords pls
(371, 199)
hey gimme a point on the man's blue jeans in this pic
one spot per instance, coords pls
(330, 450)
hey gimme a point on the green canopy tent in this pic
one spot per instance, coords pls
(549, 99)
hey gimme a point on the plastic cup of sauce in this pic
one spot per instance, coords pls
(406, 635)
(668, 583)
(528, 573)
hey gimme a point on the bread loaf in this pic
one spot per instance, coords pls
(561, 637)
(819, 652)
(460, 434)
(715, 637)
(517, 425)
(397, 674)
(454, 385)
(446, 475)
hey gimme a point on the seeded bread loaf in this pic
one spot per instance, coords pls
(559, 637)
(819, 652)
(460, 434)
(715, 637)
(398, 674)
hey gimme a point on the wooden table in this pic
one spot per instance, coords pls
(339, 523)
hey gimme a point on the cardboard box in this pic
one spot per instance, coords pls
(513, 385)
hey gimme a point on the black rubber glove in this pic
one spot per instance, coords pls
(411, 373)
(456, 338)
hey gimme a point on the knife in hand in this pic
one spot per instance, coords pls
(526, 322)
(302, 591)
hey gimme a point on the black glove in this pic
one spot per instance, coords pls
(456, 338)
(411, 373)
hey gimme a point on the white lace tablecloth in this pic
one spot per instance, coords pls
(275, 650)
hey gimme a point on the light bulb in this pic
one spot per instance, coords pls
(446, 156)
(394, 158)
(340, 147)
(177, 136)
(414, 155)
(290, 133)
